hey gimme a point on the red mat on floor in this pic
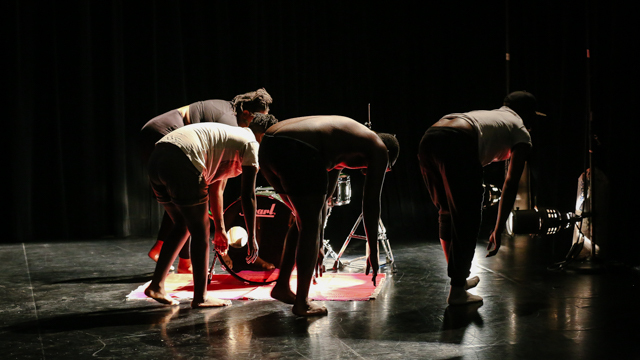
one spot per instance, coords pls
(331, 286)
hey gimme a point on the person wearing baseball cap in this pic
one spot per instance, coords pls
(524, 104)
(452, 154)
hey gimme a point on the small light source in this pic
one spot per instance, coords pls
(543, 221)
(491, 195)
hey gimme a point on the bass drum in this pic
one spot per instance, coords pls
(273, 219)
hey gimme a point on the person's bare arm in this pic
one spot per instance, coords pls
(248, 200)
(519, 156)
(333, 182)
(376, 169)
(216, 202)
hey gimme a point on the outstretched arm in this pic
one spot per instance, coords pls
(248, 195)
(333, 181)
(374, 180)
(519, 155)
(216, 202)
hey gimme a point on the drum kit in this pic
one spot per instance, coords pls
(273, 219)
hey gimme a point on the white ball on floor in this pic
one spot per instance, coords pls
(238, 237)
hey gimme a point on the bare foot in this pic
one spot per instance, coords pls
(160, 296)
(265, 265)
(184, 266)
(459, 296)
(210, 302)
(155, 250)
(471, 283)
(283, 294)
(310, 309)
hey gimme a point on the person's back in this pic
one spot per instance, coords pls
(498, 132)
(341, 141)
(218, 111)
(211, 146)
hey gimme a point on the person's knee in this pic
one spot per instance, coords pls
(179, 226)
(310, 226)
(196, 220)
(199, 230)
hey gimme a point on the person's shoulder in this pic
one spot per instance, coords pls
(506, 110)
(243, 132)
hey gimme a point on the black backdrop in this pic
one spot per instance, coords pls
(84, 76)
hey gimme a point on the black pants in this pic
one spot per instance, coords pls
(453, 174)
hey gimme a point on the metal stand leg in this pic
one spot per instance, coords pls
(382, 238)
(328, 250)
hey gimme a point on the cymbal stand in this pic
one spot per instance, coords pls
(382, 239)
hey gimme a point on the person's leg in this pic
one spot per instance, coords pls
(430, 169)
(184, 258)
(309, 219)
(297, 170)
(184, 264)
(282, 290)
(175, 180)
(445, 229)
(448, 178)
(464, 197)
(446, 247)
(432, 176)
(197, 220)
(165, 228)
(175, 239)
(445, 233)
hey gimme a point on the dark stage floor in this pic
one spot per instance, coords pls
(66, 300)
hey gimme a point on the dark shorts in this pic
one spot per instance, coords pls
(293, 167)
(174, 179)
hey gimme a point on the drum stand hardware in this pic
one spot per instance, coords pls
(382, 239)
(341, 196)
(326, 247)
(328, 250)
